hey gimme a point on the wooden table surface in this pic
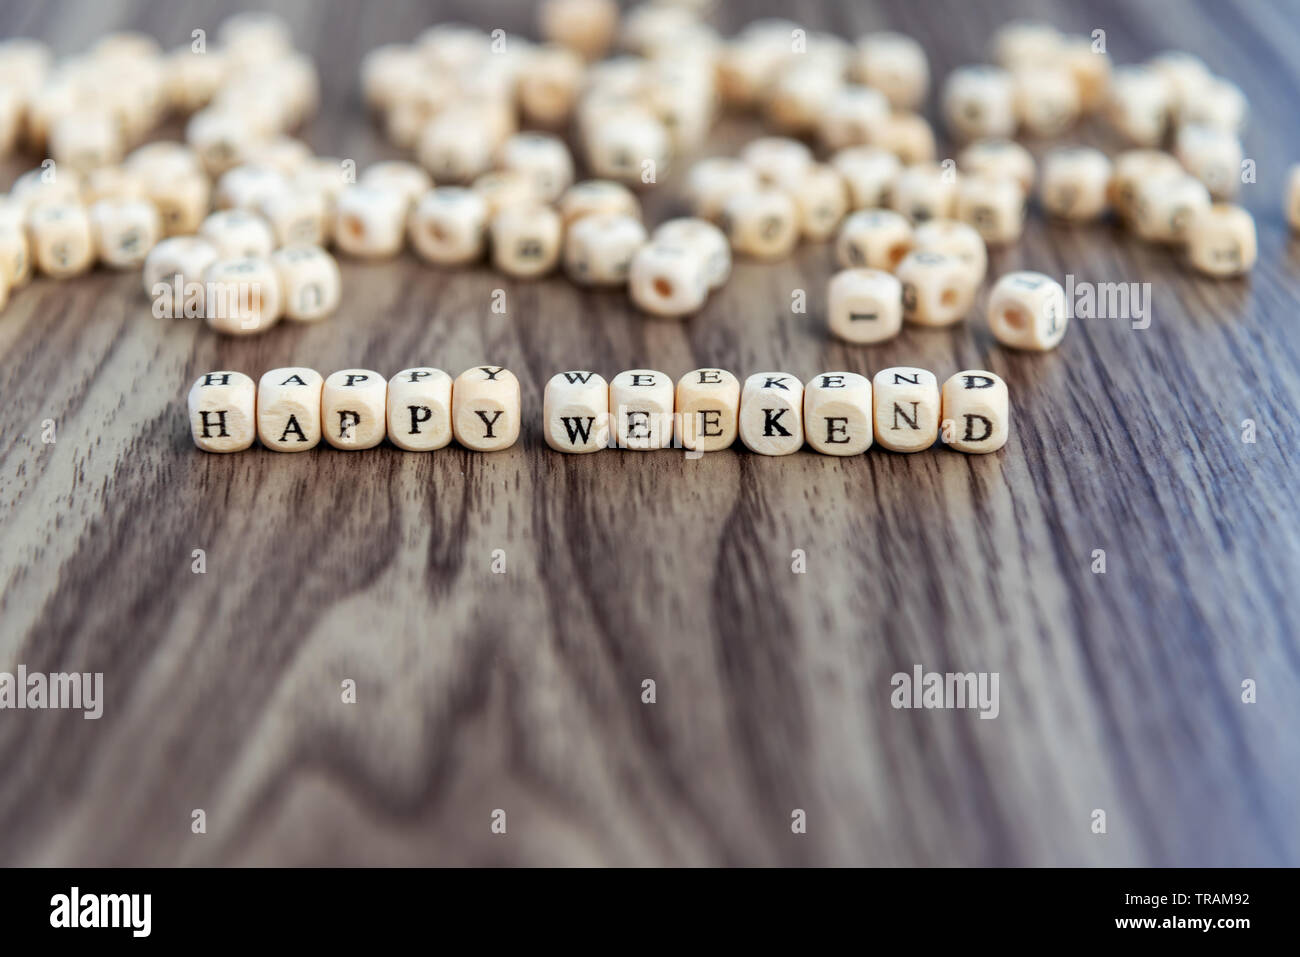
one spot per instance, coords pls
(522, 691)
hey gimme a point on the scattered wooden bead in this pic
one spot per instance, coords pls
(975, 411)
(994, 205)
(1139, 104)
(937, 289)
(896, 65)
(668, 279)
(1220, 105)
(247, 185)
(594, 196)
(706, 241)
(420, 409)
(978, 102)
(1000, 158)
(1025, 43)
(641, 406)
(485, 408)
(221, 412)
(1133, 166)
(821, 199)
(1026, 310)
(598, 250)
(242, 296)
(289, 409)
(1185, 75)
(353, 409)
(222, 138)
(544, 159)
(38, 187)
(874, 239)
(771, 413)
(1046, 100)
(1091, 69)
(763, 224)
(628, 147)
(853, 115)
(778, 160)
(908, 136)
(297, 216)
(86, 139)
(182, 200)
(456, 146)
(575, 412)
(864, 305)
(175, 263)
(238, 234)
(795, 98)
(711, 182)
(905, 409)
(500, 188)
(868, 172)
(708, 409)
(310, 285)
(15, 256)
(1221, 241)
(61, 241)
(585, 26)
(370, 221)
(953, 238)
(1165, 206)
(526, 240)
(837, 413)
(924, 191)
(550, 87)
(1076, 183)
(448, 226)
(1214, 156)
(111, 182)
(124, 231)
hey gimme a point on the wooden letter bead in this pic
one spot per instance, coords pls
(182, 200)
(795, 98)
(1133, 166)
(15, 257)
(298, 216)
(247, 185)
(310, 285)
(778, 160)
(868, 172)
(953, 238)
(937, 290)
(641, 404)
(837, 413)
(550, 86)
(405, 178)
(1213, 156)
(370, 221)
(237, 234)
(598, 250)
(502, 188)
(667, 279)
(242, 296)
(222, 138)
(925, 191)
(821, 199)
(124, 230)
(1139, 104)
(874, 239)
(995, 206)
(221, 406)
(526, 240)
(1047, 100)
(485, 408)
(419, 409)
(853, 116)
(1023, 43)
(905, 404)
(865, 305)
(1001, 159)
(585, 26)
(762, 224)
(771, 413)
(456, 146)
(1220, 104)
(575, 412)
(543, 159)
(1026, 310)
(85, 139)
(177, 262)
(289, 408)
(1221, 241)
(1076, 183)
(908, 136)
(598, 196)
(448, 226)
(353, 409)
(711, 182)
(624, 146)
(706, 240)
(894, 64)
(111, 182)
(61, 240)
(978, 102)
(1164, 207)
(1091, 71)
(976, 412)
(708, 409)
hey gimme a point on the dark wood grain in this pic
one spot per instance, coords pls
(522, 691)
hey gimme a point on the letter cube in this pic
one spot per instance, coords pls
(641, 405)
(370, 221)
(705, 240)
(238, 234)
(61, 241)
(1164, 207)
(667, 279)
(402, 177)
(953, 238)
(628, 145)
(837, 413)
(1076, 183)
(708, 409)
(763, 225)
(448, 225)
(874, 239)
(995, 206)
(289, 409)
(1221, 241)
(221, 409)
(999, 158)
(15, 258)
(575, 412)
(778, 160)
(852, 116)
(938, 290)
(771, 413)
(419, 409)
(173, 276)
(485, 408)
(297, 216)
(1139, 104)
(544, 159)
(925, 191)
(585, 26)
(1213, 156)
(821, 199)
(353, 409)
(526, 240)
(597, 196)
(1026, 310)
(247, 185)
(868, 172)
(1132, 167)
(896, 65)
(976, 412)
(598, 250)
(310, 285)
(182, 200)
(242, 296)
(124, 231)
(905, 404)
(908, 136)
(978, 102)
(865, 305)
(1046, 98)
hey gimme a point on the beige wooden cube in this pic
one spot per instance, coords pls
(1076, 183)
(1164, 207)
(1186, 76)
(641, 407)
(868, 172)
(667, 280)
(795, 97)
(584, 26)
(173, 275)
(910, 137)
(953, 238)
(289, 409)
(182, 199)
(15, 256)
(284, 154)
(549, 87)
(1221, 241)
(43, 185)
(1046, 100)
(242, 296)
(1139, 104)
(711, 182)
(594, 196)
(708, 409)
(976, 412)
(1027, 310)
(111, 182)
(163, 159)
(1214, 156)
(1020, 43)
(852, 116)
(86, 139)
(1133, 166)
(60, 238)
(822, 200)
(221, 411)
(837, 413)
(598, 250)
(406, 179)
(310, 285)
(864, 305)
(193, 77)
(124, 231)
(222, 137)
(896, 65)
(938, 290)
(370, 221)
(905, 409)
(354, 409)
(628, 147)
(448, 226)
(763, 224)
(297, 216)
(238, 234)
(575, 412)
(1220, 104)
(994, 205)
(1091, 68)
(778, 160)
(326, 175)
(745, 67)
(874, 239)
(1292, 202)
(456, 146)
(526, 240)
(999, 158)
(706, 241)
(771, 413)
(245, 186)
(502, 188)
(979, 102)
(485, 414)
(544, 159)
(925, 191)
(419, 409)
